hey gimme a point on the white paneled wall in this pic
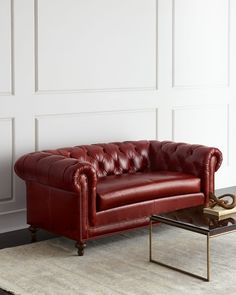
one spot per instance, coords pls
(6, 47)
(6, 160)
(92, 45)
(85, 71)
(200, 43)
(125, 125)
(214, 131)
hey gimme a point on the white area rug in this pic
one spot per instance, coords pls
(119, 265)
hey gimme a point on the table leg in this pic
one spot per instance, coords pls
(150, 240)
(207, 278)
(208, 258)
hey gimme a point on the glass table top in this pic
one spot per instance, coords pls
(195, 220)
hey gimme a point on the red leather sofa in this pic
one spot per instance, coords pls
(90, 191)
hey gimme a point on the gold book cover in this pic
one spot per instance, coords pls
(219, 211)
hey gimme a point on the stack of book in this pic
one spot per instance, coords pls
(220, 212)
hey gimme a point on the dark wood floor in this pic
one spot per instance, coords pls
(20, 237)
(2, 292)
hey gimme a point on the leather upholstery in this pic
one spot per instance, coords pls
(115, 191)
(134, 215)
(112, 158)
(197, 160)
(91, 190)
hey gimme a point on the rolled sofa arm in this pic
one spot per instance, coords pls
(198, 160)
(55, 170)
(60, 172)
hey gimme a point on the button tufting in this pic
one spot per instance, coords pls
(101, 165)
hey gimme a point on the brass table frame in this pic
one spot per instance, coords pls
(208, 233)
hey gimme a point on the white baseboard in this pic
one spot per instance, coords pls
(12, 220)
(229, 190)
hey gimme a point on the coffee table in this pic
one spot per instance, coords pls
(193, 219)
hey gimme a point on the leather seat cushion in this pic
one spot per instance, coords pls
(118, 190)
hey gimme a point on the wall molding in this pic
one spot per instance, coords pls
(204, 107)
(200, 86)
(156, 49)
(11, 197)
(157, 123)
(101, 113)
(36, 66)
(12, 49)
(98, 90)
(12, 55)
(85, 90)
(142, 110)
(228, 135)
(12, 220)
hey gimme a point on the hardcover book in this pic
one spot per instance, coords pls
(219, 211)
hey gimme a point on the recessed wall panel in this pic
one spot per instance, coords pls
(207, 125)
(200, 43)
(5, 47)
(6, 159)
(95, 45)
(67, 130)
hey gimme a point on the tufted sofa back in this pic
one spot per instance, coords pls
(182, 157)
(112, 158)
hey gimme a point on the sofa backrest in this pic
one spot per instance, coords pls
(111, 158)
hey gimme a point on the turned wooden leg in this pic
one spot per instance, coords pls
(80, 246)
(33, 230)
